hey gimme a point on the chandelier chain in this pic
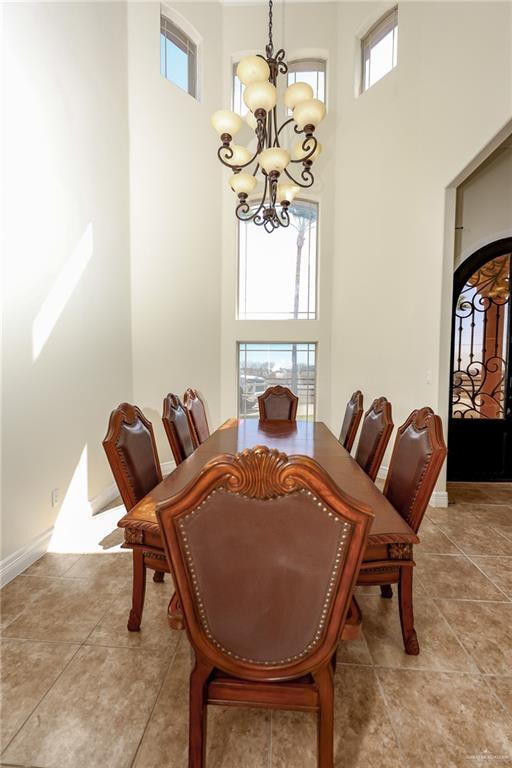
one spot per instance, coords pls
(270, 41)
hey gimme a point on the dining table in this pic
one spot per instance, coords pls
(391, 539)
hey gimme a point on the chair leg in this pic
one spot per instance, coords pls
(324, 681)
(158, 577)
(386, 590)
(198, 715)
(406, 612)
(138, 590)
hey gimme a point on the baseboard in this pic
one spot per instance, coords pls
(14, 564)
(167, 467)
(438, 498)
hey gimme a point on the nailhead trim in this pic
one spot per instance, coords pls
(342, 542)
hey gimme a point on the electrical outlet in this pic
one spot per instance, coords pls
(55, 497)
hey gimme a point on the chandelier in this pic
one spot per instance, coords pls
(271, 162)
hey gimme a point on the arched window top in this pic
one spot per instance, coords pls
(178, 52)
(379, 49)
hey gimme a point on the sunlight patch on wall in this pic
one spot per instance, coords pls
(61, 291)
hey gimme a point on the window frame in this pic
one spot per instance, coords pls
(172, 31)
(254, 204)
(377, 32)
(314, 344)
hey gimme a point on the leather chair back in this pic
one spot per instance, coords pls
(265, 550)
(353, 414)
(196, 413)
(375, 433)
(131, 452)
(417, 458)
(278, 403)
(177, 428)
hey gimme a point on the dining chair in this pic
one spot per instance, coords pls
(265, 550)
(177, 428)
(196, 413)
(353, 414)
(131, 452)
(374, 438)
(418, 455)
(278, 403)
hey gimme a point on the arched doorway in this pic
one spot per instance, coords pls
(480, 419)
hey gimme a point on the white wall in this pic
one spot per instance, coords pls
(65, 208)
(399, 145)
(175, 218)
(484, 204)
(305, 29)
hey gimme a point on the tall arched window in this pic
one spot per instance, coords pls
(311, 71)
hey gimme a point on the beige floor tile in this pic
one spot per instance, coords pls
(502, 687)
(154, 632)
(432, 539)
(28, 670)
(466, 493)
(15, 598)
(52, 564)
(484, 629)
(498, 493)
(354, 651)
(103, 566)
(165, 740)
(439, 647)
(477, 538)
(444, 720)
(238, 737)
(454, 576)
(363, 736)
(60, 609)
(499, 571)
(96, 712)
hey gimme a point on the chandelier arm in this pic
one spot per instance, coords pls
(287, 122)
(282, 66)
(306, 175)
(244, 206)
(238, 165)
(309, 152)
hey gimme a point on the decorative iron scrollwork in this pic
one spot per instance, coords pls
(480, 341)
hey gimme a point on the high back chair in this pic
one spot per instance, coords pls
(374, 438)
(196, 413)
(278, 403)
(353, 414)
(131, 452)
(177, 428)
(265, 551)
(418, 455)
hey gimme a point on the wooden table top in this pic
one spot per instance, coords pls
(311, 439)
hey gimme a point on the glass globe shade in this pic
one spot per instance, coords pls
(274, 159)
(309, 112)
(225, 121)
(251, 120)
(242, 183)
(241, 155)
(297, 92)
(286, 192)
(298, 153)
(252, 69)
(260, 95)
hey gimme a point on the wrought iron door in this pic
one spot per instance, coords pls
(480, 425)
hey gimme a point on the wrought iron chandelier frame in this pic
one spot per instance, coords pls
(269, 213)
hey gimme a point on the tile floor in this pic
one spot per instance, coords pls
(79, 691)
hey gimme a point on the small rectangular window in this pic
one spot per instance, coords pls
(265, 364)
(178, 57)
(379, 49)
(277, 275)
(311, 71)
